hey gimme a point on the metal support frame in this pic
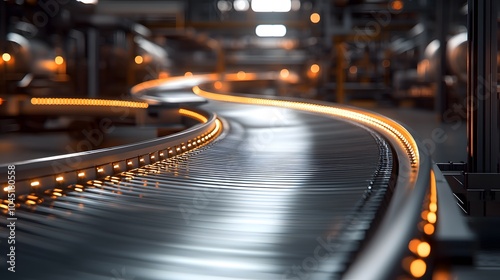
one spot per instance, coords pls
(92, 62)
(482, 98)
(477, 183)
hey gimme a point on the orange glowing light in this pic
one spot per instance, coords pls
(418, 268)
(163, 75)
(433, 191)
(429, 229)
(241, 75)
(188, 74)
(35, 184)
(60, 179)
(413, 245)
(315, 17)
(88, 102)
(284, 73)
(6, 57)
(441, 274)
(424, 214)
(138, 59)
(397, 5)
(423, 249)
(218, 85)
(59, 60)
(193, 115)
(431, 217)
(353, 69)
(315, 68)
(433, 206)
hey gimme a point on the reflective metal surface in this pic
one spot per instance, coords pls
(283, 195)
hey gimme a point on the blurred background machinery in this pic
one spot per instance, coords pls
(430, 64)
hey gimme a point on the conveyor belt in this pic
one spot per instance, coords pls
(283, 194)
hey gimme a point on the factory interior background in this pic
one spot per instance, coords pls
(226, 139)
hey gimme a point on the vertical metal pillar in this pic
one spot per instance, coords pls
(3, 45)
(92, 63)
(482, 97)
(340, 72)
(325, 60)
(443, 18)
(3, 25)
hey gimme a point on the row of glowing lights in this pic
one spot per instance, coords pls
(59, 60)
(259, 6)
(242, 75)
(193, 144)
(88, 102)
(279, 30)
(403, 137)
(280, 6)
(422, 249)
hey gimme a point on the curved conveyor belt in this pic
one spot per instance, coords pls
(281, 194)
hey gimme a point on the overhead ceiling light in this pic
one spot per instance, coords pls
(266, 6)
(241, 5)
(93, 2)
(270, 30)
(295, 5)
(224, 6)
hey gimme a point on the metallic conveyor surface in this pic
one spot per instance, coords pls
(281, 194)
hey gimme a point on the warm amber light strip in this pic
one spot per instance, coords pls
(403, 136)
(88, 102)
(193, 115)
(433, 197)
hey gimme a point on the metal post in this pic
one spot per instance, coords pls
(3, 45)
(92, 63)
(482, 97)
(340, 72)
(443, 17)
